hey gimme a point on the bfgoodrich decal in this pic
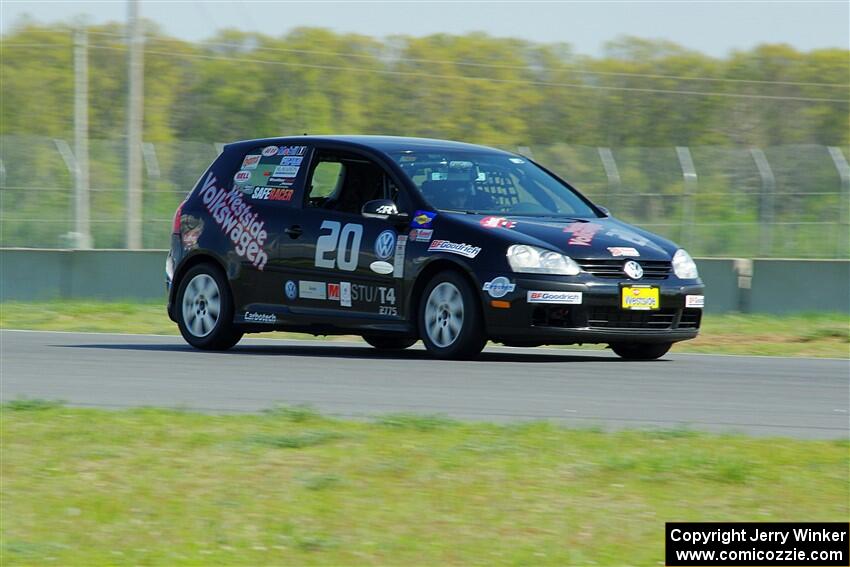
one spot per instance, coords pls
(237, 220)
(564, 297)
(466, 250)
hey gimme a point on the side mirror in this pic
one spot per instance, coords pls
(384, 209)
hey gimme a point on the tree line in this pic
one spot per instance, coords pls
(474, 87)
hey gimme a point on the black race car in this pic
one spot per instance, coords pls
(399, 239)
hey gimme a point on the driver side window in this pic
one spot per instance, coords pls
(345, 182)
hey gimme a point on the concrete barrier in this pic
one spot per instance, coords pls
(34, 274)
(776, 286)
(789, 286)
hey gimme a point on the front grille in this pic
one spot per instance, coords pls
(616, 318)
(612, 317)
(652, 269)
(690, 319)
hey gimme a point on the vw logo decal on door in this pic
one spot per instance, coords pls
(385, 244)
(633, 270)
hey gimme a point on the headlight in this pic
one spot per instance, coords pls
(534, 260)
(684, 266)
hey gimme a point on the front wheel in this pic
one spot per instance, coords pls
(638, 351)
(450, 319)
(205, 309)
(383, 342)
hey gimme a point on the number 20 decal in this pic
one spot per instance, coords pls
(338, 241)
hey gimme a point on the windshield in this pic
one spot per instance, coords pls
(489, 183)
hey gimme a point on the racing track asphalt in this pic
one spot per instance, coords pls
(788, 397)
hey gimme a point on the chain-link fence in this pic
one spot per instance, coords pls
(784, 201)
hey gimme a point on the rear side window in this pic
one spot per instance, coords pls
(273, 173)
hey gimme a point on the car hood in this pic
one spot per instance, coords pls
(577, 238)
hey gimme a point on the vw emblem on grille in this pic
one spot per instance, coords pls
(633, 270)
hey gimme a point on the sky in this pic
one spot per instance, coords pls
(714, 28)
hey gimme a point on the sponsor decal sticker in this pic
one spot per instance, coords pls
(272, 194)
(251, 161)
(237, 220)
(387, 210)
(333, 291)
(421, 234)
(254, 317)
(290, 160)
(497, 222)
(582, 232)
(269, 151)
(291, 290)
(242, 176)
(291, 150)
(623, 251)
(312, 290)
(499, 287)
(422, 219)
(285, 171)
(466, 250)
(695, 301)
(385, 244)
(381, 267)
(516, 160)
(398, 259)
(563, 297)
(345, 294)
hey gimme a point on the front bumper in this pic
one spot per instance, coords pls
(598, 318)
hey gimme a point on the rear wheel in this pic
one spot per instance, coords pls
(205, 309)
(389, 343)
(641, 351)
(450, 319)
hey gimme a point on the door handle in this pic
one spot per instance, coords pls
(294, 231)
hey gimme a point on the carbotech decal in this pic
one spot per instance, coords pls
(237, 221)
(464, 249)
(695, 301)
(255, 317)
(582, 232)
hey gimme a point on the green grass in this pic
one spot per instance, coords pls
(823, 334)
(289, 487)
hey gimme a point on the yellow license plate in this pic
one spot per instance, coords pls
(640, 298)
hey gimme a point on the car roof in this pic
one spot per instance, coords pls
(385, 144)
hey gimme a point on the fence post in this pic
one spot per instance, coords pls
(843, 199)
(219, 147)
(82, 215)
(689, 188)
(614, 183)
(767, 202)
(526, 151)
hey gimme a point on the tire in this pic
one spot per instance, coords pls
(204, 309)
(641, 351)
(450, 318)
(384, 342)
